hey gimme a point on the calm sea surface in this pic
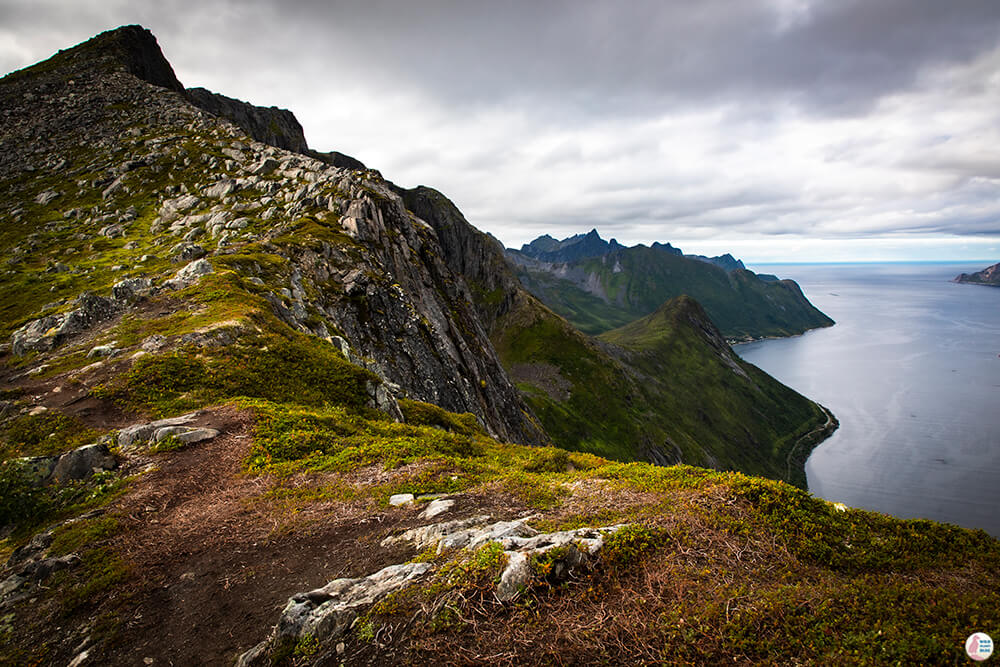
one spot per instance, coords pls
(912, 371)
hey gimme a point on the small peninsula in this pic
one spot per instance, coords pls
(988, 276)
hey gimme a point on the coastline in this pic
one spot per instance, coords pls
(804, 446)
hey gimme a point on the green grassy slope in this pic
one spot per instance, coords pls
(666, 388)
(635, 281)
(761, 425)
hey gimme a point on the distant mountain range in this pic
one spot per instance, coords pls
(581, 246)
(601, 285)
(988, 276)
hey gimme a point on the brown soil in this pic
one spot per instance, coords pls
(213, 564)
(211, 561)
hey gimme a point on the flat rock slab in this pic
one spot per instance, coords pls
(401, 499)
(328, 612)
(139, 435)
(436, 507)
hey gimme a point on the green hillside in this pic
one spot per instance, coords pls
(666, 388)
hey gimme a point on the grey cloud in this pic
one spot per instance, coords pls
(563, 115)
(844, 55)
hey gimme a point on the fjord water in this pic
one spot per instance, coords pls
(912, 371)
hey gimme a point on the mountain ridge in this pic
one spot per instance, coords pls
(602, 292)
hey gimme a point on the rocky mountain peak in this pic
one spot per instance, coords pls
(138, 50)
(580, 246)
(131, 47)
(131, 192)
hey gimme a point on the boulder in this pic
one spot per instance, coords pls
(137, 435)
(436, 507)
(266, 166)
(112, 189)
(102, 351)
(401, 499)
(185, 434)
(46, 197)
(130, 289)
(189, 274)
(113, 231)
(43, 568)
(35, 335)
(83, 462)
(172, 209)
(90, 310)
(220, 189)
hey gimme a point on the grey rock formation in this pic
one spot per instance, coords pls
(436, 507)
(336, 159)
(83, 462)
(273, 126)
(130, 289)
(521, 544)
(138, 435)
(189, 274)
(136, 48)
(185, 434)
(327, 612)
(50, 331)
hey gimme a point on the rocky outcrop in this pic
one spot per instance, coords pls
(74, 465)
(90, 310)
(327, 613)
(269, 125)
(337, 159)
(139, 435)
(476, 256)
(83, 462)
(521, 544)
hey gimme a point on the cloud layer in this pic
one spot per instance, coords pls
(766, 125)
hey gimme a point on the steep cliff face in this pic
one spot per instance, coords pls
(273, 126)
(139, 182)
(470, 253)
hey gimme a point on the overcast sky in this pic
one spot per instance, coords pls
(773, 129)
